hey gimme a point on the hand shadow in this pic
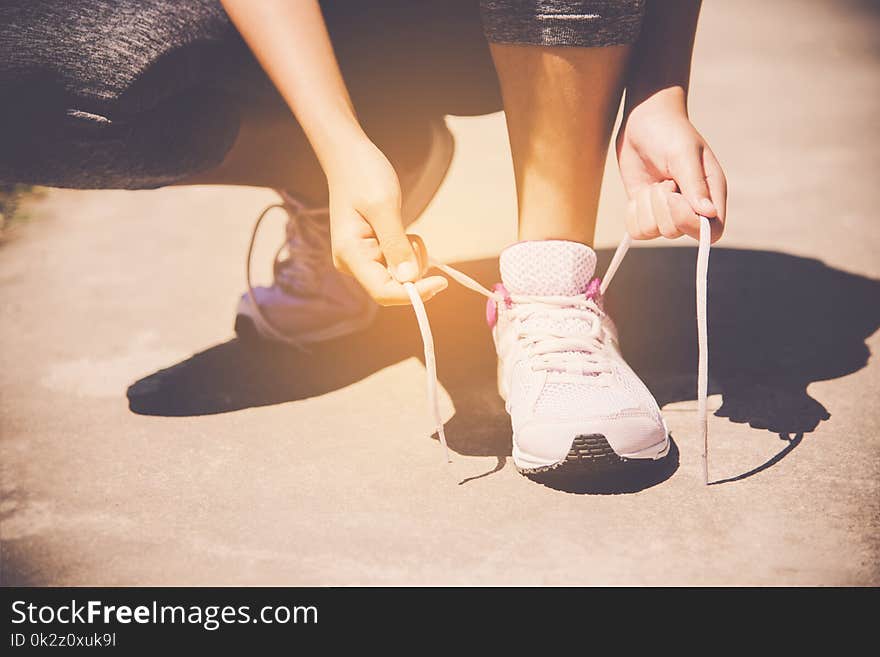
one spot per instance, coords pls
(776, 323)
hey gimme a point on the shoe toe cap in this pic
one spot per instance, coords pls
(637, 436)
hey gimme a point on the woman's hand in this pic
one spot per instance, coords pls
(367, 230)
(669, 172)
(291, 42)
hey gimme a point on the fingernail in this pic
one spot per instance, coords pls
(406, 271)
(706, 205)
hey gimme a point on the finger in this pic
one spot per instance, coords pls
(660, 204)
(393, 293)
(379, 284)
(421, 251)
(687, 171)
(342, 252)
(632, 220)
(718, 189)
(682, 214)
(386, 221)
(647, 223)
(388, 292)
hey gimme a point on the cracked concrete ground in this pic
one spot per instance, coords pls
(226, 464)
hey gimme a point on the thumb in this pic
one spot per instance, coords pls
(399, 255)
(688, 173)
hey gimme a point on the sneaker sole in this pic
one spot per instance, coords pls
(590, 454)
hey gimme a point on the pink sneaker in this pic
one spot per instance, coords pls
(574, 402)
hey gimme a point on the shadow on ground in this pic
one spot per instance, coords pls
(776, 323)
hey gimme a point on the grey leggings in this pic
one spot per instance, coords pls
(143, 93)
(585, 23)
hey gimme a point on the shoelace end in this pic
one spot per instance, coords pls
(442, 435)
(703, 340)
(430, 362)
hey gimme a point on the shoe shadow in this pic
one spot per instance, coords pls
(777, 323)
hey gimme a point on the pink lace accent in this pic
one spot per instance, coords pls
(492, 307)
(594, 291)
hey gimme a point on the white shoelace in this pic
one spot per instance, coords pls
(551, 345)
(552, 352)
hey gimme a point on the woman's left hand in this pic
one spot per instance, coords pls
(670, 174)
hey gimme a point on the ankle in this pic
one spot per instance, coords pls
(553, 231)
(557, 221)
(566, 236)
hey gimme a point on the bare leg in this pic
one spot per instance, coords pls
(271, 150)
(560, 104)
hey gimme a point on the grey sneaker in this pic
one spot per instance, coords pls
(309, 300)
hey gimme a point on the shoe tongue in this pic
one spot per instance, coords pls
(547, 268)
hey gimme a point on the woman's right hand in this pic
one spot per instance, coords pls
(366, 227)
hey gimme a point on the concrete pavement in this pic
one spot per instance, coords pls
(143, 445)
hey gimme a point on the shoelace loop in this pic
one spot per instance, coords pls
(551, 351)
